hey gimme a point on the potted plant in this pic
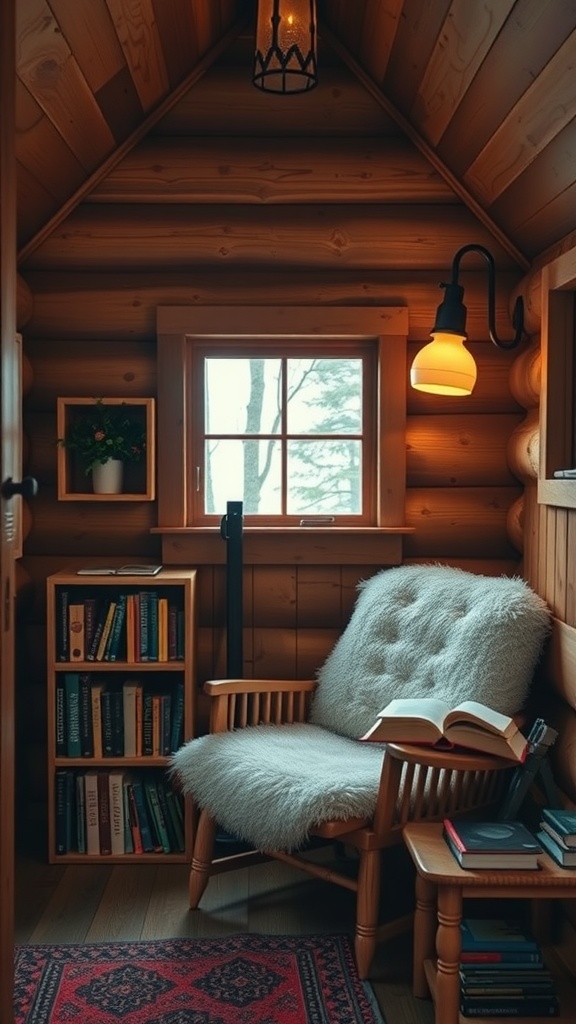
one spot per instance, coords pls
(103, 438)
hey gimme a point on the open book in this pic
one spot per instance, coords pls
(432, 722)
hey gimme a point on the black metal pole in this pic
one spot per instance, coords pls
(231, 530)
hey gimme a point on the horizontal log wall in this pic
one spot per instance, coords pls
(220, 221)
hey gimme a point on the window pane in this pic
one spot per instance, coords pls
(242, 396)
(324, 396)
(324, 478)
(247, 471)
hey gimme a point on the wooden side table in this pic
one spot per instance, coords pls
(441, 886)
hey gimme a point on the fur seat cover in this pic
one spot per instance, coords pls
(416, 631)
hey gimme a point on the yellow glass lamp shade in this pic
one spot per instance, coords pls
(444, 367)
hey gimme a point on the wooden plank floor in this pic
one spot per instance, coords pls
(97, 903)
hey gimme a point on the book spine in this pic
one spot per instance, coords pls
(107, 724)
(76, 631)
(147, 742)
(129, 691)
(510, 1008)
(162, 629)
(153, 622)
(177, 724)
(511, 957)
(90, 621)
(117, 706)
(86, 730)
(106, 632)
(156, 818)
(98, 630)
(128, 838)
(62, 638)
(61, 787)
(143, 822)
(165, 723)
(116, 794)
(451, 833)
(156, 725)
(173, 835)
(130, 630)
(174, 804)
(60, 717)
(114, 646)
(73, 741)
(80, 814)
(172, 632)
(104, 824)
(92, 826)
(133, 818)
(96, 699)
(143, 602)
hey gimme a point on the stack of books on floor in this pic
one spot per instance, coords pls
(558, 835)
(502, 972)
(495, 845)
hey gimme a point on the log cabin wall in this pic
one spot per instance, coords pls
(237, 198)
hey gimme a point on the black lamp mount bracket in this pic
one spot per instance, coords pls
(451, 315)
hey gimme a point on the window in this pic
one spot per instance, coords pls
(343, 466)
(285, 427)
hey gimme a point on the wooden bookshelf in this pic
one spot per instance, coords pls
(159, 662)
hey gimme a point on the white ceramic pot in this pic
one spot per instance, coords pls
(107, 477)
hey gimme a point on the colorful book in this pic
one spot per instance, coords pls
(171, 806)
(133, 819)
(99, 656)
(143, 621)
(128, 838)
(561, 823)
(96, 691)
(177, 722)
(492, 844)
(156, 814)
(76, 631)
(86, 730)
(107, 724)
(116, 795)
(502, 1006)
(60, 717)
(162, 629)
(104, 824)
(65, 810)
(148, 844)
(98, 630)
(80, 814)
(92, 819)
(90, 620)
(129, 709)
(130, 629)
(153, 622)
(62, 637)
(115, 647)
(563, 856)
(72, 691)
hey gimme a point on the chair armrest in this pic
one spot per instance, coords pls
(237, 703)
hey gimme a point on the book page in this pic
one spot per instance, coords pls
(411, 719)
(471, 711)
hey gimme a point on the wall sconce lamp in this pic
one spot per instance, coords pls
(444, 366)
(285, 58)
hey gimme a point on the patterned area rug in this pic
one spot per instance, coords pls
(243, 979)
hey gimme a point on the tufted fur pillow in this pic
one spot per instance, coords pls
(432, 631)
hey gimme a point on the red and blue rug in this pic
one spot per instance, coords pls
(241, 979)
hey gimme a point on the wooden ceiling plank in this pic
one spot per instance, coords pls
(528, 40)
(272, 171)
(50, 71)
(345, 237)
(553, 220)
(339, 105)
(466, 37)
(87, 27)
(541, 113)
(419, 27)
(120, 151)
(381, 22)
(41, 149)
(139, 38)
(175, 23)
(429, 152)
(548, 176)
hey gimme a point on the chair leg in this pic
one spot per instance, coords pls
(367, 905)
(201, 858)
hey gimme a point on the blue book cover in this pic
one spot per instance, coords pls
(563, 822)
(565, 858)
(495, 935)
(73, 734)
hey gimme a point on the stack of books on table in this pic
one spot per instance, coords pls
(502, 972)
(495, 845)
(558, 835)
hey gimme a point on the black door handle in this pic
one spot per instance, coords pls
(28, 487)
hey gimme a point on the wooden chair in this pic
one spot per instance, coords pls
(282, 762)
(416, 784)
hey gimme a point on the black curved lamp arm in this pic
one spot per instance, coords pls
(518, 313)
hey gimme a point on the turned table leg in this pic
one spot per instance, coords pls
(448, 947)
(424, 934)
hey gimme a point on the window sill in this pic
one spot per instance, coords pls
(561, 493)
(315, 545)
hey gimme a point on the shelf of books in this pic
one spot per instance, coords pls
(120, 700)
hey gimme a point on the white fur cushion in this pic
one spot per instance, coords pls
(415, 631)
(269, 784)
(432, 631)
